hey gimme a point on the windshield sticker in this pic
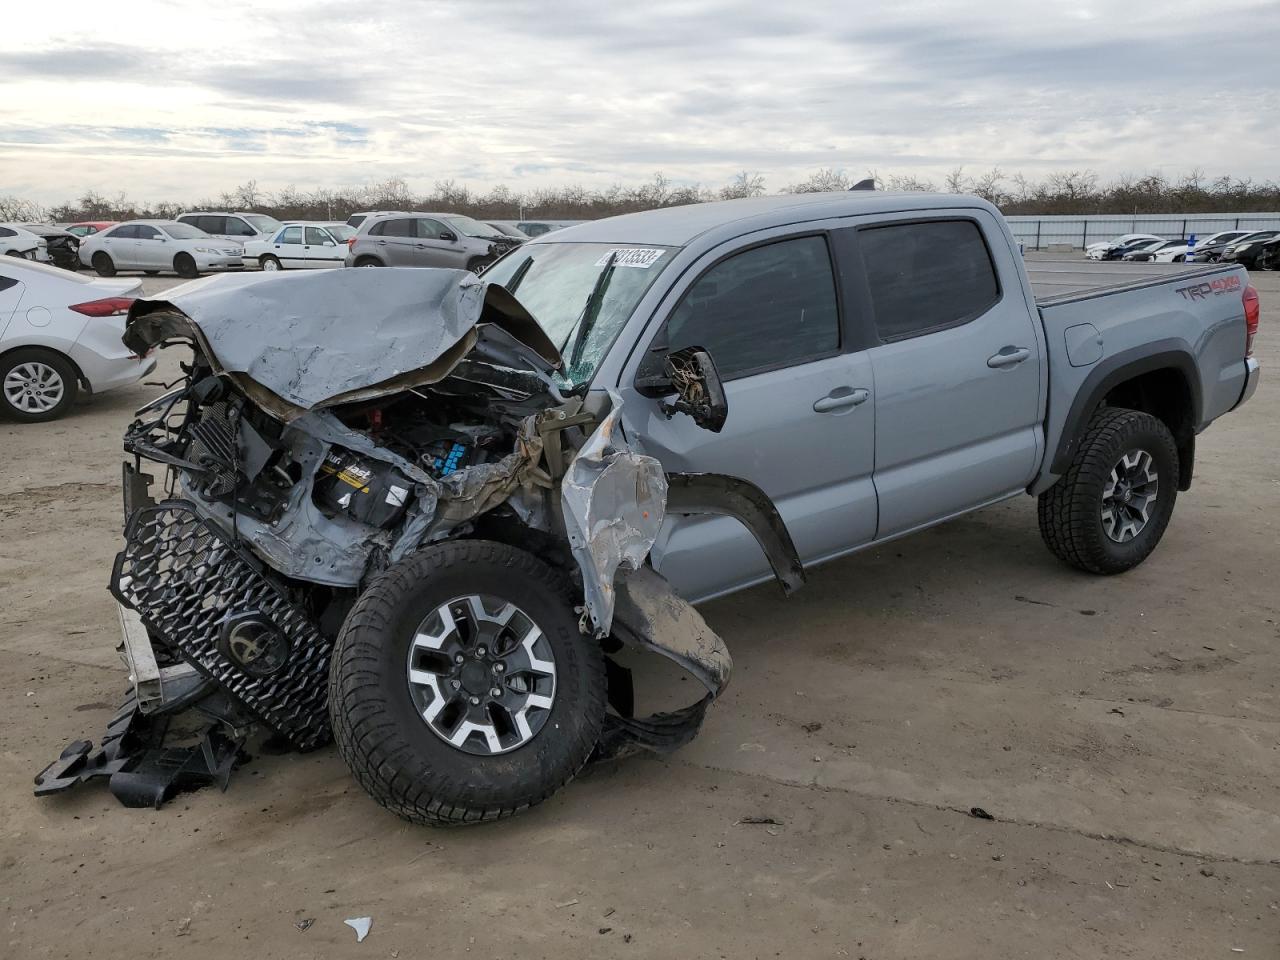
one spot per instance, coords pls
(641, 257)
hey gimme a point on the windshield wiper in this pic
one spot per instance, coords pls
(591, 310)
(518, 276)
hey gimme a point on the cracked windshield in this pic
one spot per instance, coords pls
(581, 294)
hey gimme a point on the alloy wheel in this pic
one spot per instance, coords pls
(33, 387)
(1127, 497)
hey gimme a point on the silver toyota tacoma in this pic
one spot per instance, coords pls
(422, 513)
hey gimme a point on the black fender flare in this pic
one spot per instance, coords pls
(1115, 370)
(723, 495)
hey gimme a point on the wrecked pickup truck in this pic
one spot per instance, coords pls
(397, 510)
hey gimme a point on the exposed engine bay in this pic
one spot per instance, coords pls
(333, 433)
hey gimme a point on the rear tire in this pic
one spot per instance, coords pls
(103, 264)
(184, 265)
(369, 262)
(269, 263)
(1110, 509)
(36, 385)
(393, 740)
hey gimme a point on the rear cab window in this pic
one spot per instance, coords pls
(927, 276)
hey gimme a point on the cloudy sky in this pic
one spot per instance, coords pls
(174, 99)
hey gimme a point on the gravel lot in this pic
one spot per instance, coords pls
(1123, 732)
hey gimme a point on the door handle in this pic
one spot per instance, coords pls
(1008, 357)
(841, 398)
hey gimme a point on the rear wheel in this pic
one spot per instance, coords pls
(461, 688)
(368, 262)
(270, 263)
(103, 264)
(184, 265)
(36, 385)
(1109, 510)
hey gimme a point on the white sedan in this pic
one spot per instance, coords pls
(16, 241)
(60, 334)
(300, 246)
(154, 246)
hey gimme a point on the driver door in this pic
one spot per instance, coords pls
(801, 422)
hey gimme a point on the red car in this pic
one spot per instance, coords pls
(88, 228)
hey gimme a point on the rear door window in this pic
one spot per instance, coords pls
(123, 233)
(767, 307)
(927, 276)
(291, 235)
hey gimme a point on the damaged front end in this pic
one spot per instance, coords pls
(328, 429)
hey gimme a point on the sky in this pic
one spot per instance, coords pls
(175, 100)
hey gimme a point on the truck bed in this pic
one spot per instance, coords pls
(1060, 281)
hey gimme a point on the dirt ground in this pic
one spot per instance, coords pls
(1123, 733)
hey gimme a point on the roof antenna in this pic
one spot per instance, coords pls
(867, 184)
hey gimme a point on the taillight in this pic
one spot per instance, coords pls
(350, 241)
(1252, 311)
(106, 307)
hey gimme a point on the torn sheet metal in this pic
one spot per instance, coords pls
(299, 341)
(723, 495)
(613, 501)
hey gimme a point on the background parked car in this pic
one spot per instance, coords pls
(63, 246)
(87, 228)
(1118, 252)
(508, 230)
(1221, 237)
(426, 240)
(1148, 250)
(18, 241)
(300, 246)
(356, 219)
(1245, 250)
(1098, 251)
(242, 227)
(155, 246)
(1269, 255)
(62, 336)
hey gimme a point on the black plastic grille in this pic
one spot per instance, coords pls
(185, 579)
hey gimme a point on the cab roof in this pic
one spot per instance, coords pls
(677, 226)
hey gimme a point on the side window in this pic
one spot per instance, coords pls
(123, 233)
(143, 232)
(315, 236)
(6, 232)
(6, 283)
(927, 276)
(770, 306)
(238, 228)
(395, 228)
(291, 235)
(431, 229)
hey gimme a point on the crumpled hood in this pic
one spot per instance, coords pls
(316, 339)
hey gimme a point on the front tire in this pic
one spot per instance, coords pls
(36, 385)
(103, 264)
(184, 265)
(1110, 509)
(461, 689)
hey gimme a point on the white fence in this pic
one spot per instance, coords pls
(1037, 233)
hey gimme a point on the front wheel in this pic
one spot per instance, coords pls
(461, 688)
(1109, 510)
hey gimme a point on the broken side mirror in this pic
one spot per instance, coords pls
(691, 375)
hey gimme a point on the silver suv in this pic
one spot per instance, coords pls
(427, 240)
